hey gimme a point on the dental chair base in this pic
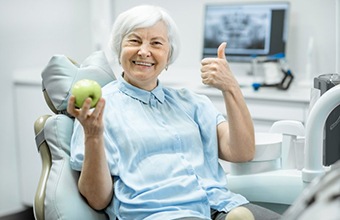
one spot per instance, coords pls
(267, 180)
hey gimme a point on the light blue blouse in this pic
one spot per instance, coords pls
(161, 148)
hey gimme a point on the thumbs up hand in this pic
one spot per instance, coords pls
(216, 72)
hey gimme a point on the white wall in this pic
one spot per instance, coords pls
(31, 32)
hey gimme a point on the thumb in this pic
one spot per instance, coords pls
(221, 50)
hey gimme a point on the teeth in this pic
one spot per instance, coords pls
(143, 63)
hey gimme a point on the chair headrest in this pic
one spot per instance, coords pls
(61, 73)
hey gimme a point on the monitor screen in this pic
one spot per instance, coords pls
(250, 29)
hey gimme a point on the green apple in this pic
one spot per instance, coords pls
(84, 89)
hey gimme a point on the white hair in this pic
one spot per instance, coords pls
(143, 16)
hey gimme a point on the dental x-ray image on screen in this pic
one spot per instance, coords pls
(249, 29)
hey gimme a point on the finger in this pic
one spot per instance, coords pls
(204, 68)
(221, 50)
(203, 75)
(98, 111)
(101, 104)
(84, 111)
(71, 106)
(206, 81)
(207, 61)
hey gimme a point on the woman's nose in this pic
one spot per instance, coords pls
(144, 50)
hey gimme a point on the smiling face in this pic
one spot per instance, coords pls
(145, 53)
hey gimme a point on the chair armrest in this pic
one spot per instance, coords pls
(46, 159)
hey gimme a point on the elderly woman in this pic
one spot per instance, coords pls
(151, 152)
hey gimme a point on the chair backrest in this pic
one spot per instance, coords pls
(57, 195)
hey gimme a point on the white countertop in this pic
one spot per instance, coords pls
(30, 76)
(293, 94)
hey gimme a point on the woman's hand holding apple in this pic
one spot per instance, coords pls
(90, 119)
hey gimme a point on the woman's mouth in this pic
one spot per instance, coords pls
(143, 63)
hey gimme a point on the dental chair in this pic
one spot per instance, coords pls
(57, 195)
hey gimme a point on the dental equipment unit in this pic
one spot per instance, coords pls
(276, 180)
(331, 143)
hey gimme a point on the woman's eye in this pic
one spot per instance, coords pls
(135, 41)
(157, 43)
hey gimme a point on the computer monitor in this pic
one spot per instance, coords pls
(250, 29)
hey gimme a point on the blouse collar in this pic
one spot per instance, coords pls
(140, 94)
